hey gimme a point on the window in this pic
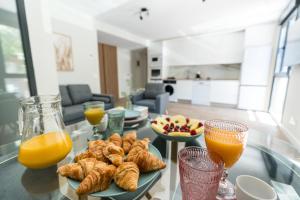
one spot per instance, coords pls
(16, 72)
(281, 75)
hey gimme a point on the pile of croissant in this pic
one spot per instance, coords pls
(118, 159)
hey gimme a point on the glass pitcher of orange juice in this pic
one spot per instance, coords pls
(44, 139)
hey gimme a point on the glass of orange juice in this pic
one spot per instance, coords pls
(44, 139)
(94, 113)
(228, 140)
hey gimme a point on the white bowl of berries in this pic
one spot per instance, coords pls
(177, 128)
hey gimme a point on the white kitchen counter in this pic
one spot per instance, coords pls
(216, 91)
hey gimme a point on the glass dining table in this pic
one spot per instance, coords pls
(18, 182)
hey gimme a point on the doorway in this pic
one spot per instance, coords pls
(139, 68)
(108, 69)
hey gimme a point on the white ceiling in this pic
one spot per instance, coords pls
(107, 38)
(91, 7)
(176, 18)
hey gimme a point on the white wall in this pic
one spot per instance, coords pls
(291, 114)
(40, 36)
(204, 49)
(113, 30)
(85, 55)
(124, 71)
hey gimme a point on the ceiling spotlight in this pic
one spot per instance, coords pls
(143, 12)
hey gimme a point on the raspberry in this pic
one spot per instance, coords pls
(168, 119)
(154, 122)
(193, 132)
(166, 127)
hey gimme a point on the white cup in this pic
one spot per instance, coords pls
(252, 188)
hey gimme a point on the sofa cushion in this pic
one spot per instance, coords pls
(150, 103)
(108, 106)
(80, 93)
(99, 98)
(65, 97)
(74, 112)
(153, 89)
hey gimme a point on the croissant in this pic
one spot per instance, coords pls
(72, 170)
(128, 140)
(87, 165)
(86, 154)
(116, 139)
(98, 179)
(114, 153)
(96, 149)
(96, 144)
(138, 146)
(145, 160)
(143, 144)
(127, 176)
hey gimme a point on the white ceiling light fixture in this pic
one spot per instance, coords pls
(144, 12)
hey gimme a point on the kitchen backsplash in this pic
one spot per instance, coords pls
(226, 71)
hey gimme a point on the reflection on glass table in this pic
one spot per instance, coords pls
(257, 160)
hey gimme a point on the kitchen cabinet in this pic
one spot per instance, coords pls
(224, 91)
(201, 92)
(256, 65)
(202, 50)
(184, 89)
(257, 69)
(253, 98)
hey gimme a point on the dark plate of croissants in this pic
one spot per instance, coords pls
(113, 167)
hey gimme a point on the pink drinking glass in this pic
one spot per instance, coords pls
(200, 173)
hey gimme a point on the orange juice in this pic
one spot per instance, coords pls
(44, 150)
(229, 149)
(94, 115)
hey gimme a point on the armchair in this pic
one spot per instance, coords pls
(154, 97)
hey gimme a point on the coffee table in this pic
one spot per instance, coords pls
(258, 160)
